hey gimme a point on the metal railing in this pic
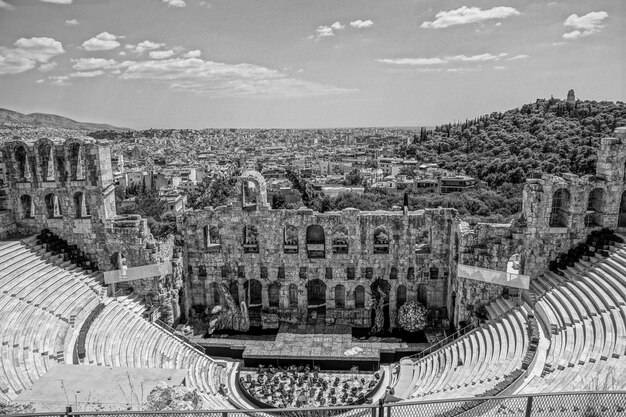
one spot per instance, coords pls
(181, 337)
(571, 404)
(444, 342)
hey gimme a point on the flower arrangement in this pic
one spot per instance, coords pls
(412, 316)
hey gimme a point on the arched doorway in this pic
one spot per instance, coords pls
(422, 295)
(233, 288)
(316, 295)
(273, 294)
(340, 296)
(254, 299)
(622, 212)
(359, 297)
(560, 208)
(400, 296)
(379, 289)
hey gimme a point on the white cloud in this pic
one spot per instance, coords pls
(584, 25)
(88, 74)
(5, 5)
(60, 80)
(102, 42)
(193, 54)
(325, 31)
(57, 1)
(161, 54)
(175, 3)
(360, 24)
(40, 81)
(71, 22)
(27, 53)
(443, 60)
(48, 66)
(337, 26)
(144, 46)
(219, 79)
(465, 15)
(516, 57)
(499, 67)
(90, 64)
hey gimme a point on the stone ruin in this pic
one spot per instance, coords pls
(257, 262)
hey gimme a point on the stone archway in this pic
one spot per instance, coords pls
(316, 295)
(379, 288)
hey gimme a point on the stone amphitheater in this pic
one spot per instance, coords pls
(81, 287)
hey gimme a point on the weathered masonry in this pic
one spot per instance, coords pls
(300, 258)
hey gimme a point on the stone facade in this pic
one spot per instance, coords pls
(286, 259)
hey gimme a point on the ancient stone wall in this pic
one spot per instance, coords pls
(416, 254)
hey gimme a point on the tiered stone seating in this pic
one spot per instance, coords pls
(484, 361)
(120, 336)
(582, 305)
(41, 299)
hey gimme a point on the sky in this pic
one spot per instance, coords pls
(304, 63)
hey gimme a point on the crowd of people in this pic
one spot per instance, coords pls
(300, 386)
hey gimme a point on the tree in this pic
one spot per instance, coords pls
(354, 177)
(412, 316)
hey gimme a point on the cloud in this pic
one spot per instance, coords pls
(71, 22)
(360, 24)
(203, 77)
(584, 25)
(465, 15)
(175, 3)
(5, 5)
(27, 53)
(325, 31)
(57, 1)
(516, 57)
(88, 74)
(60, 80)
(144, 46)
(104, 41)
(499, 67)
(193, 54)
(161, 54)
(48, 66)
(443, 60)
(90, 64)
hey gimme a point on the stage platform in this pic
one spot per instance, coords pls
(87, 387)
(330, 347)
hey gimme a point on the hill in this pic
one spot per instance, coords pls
(548, 136)
(10, 117)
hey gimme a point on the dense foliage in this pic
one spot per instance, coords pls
(548, 136)
(212, 192)
(161, 221)
(412, 316)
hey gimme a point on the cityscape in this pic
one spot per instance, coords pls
(321, 209)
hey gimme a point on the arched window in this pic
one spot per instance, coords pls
(293, 296)
(273, 294)
(434, 273)
(26, 206)
(410, 273)
(214, 293)
(249, 193)
(53, 206)
(560, 207)
(253, 290)
(290, 239)
(211, 236)
(21, 158)
(595, 206)
(393, 274)
(81, 208)
(77, 162)
(315, 241)
(250, 239)
(381, 240)
(340, 241)
(340, 296)
(233, 289)
(46, 156)
(400, 296)
(359, 297)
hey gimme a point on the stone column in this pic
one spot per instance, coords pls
(265, 301)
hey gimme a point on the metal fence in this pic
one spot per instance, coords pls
(574, 404)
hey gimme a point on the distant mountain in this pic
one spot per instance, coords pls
(50, 120)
